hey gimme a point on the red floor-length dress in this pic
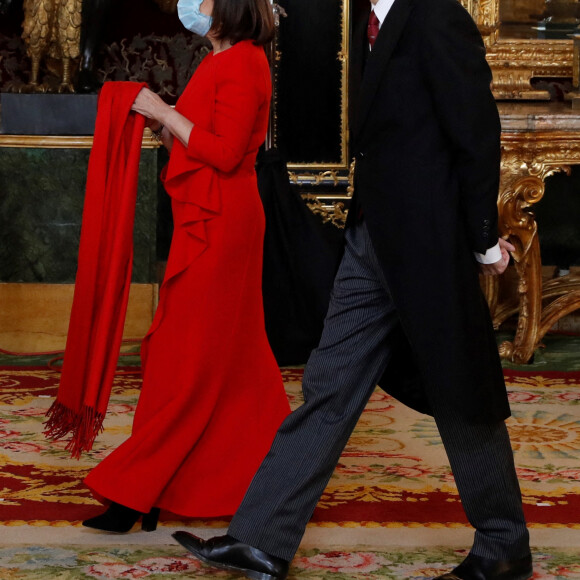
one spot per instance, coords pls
(212, 396)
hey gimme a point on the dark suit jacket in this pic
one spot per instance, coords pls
(426, 135)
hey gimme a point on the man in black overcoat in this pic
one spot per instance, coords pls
(406, 310)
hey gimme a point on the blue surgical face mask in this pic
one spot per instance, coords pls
(191, 17)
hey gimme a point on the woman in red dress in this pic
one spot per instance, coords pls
(212, 396)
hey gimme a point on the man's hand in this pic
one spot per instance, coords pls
(498, 267)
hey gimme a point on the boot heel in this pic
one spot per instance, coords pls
(149, 521)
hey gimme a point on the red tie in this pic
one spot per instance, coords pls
(373, 28)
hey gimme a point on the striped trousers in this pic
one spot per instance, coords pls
(338, 381)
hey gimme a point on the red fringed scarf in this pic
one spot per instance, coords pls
(104, 271)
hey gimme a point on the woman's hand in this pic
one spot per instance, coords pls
(155, 110)
(159, 113)
(152, 107)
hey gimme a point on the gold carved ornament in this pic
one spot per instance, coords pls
(527, 160)
(331, 208)
(514, 62)
(51, 32)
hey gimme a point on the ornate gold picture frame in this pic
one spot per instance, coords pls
(331, 166)
(514, 62)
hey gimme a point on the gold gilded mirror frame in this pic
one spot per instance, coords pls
(332, 170)
(325, 185)
(513, 61)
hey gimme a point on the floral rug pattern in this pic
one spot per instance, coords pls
(167, 562)
(392, 472)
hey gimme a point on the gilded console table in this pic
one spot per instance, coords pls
(538, 140)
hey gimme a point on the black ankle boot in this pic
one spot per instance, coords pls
(121, 519)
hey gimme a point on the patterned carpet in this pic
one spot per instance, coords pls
(170, 562)
(391, 492)
(393, 470)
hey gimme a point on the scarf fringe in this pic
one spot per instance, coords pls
(84, 425)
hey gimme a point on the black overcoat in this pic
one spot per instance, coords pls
(426, 135)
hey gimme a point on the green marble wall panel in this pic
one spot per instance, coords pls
(41, 201)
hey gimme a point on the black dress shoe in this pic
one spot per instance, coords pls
(227, 553)
(478, 568)
(120, 519)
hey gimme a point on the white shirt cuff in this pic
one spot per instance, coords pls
(492, 255)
